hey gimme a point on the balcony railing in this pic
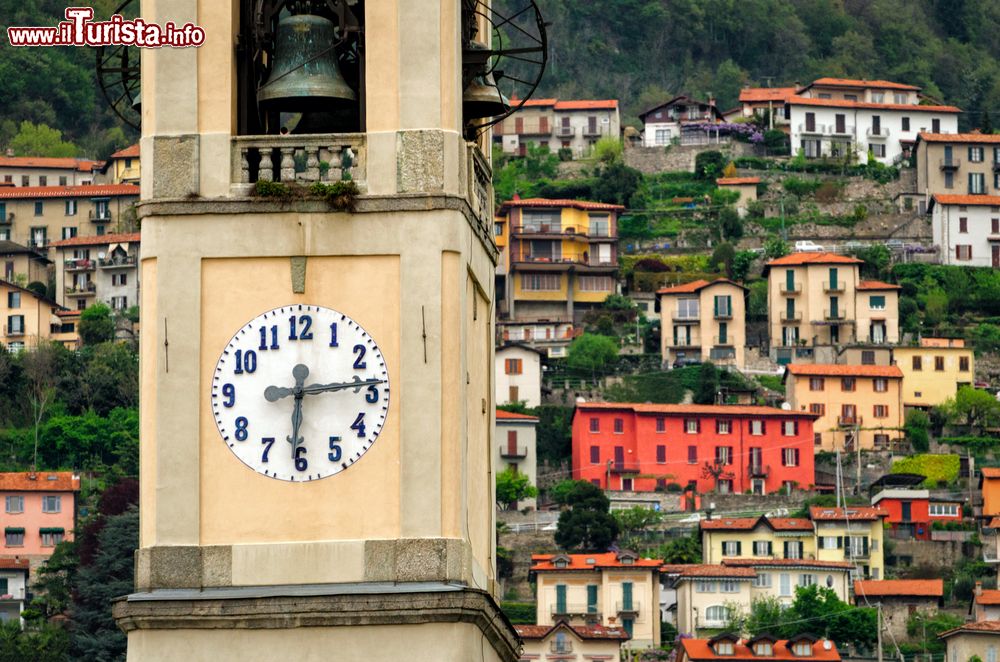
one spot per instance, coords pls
(78, 265)
(100, 216)
(38, 243)
(561, 646)
(81, 291)
(837, 286)
(685, 343)
(574, 609)
(950, 164)
(833, 315)
(556, 229)
(849, 421)
(880, 132)
(846, 130)
(565, 131)
(718, 341)
(533, 128)
(758, 470)
(279, 158)
(793, 316)
(815, 129)
(794, 288)
(513, 452)
(627, 607)
(723, 314)
(13, 331)
(626, 467)
(117, 262)
(856, 553)
(589, 132)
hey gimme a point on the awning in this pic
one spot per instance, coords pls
(14, 529)
(51, 529)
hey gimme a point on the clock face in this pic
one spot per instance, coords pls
(300, 393)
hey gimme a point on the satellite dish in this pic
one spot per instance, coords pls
(580, 400)
(786, 407)
(100, 256)
(827, 644)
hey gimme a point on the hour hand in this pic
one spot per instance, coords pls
(275, 393)
(357, 384)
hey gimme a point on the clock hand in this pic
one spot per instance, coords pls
(275, 393)
(299, 372)
(357, 385)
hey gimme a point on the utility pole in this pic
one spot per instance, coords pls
(857, 442)
(607, 484)
(878, 623)
(839, 489)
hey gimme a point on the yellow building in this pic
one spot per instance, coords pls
(26, 319)
(122, 167)
(935, 370)
(818, 300)
(856, 404)
(38, 215)
(972, 640)
(561, 257)
(853, 534)
(21, 263)
(607, 589)
(746, 187)
(757, 538)
(690, 333)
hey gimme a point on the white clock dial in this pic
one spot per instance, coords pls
(300, 393)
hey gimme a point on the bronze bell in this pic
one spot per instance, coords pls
(304, 77)
(481, 97)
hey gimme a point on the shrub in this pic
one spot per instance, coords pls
(917, 425)
(934, 468)
(801, 187)
(709, 165)
(565, 154)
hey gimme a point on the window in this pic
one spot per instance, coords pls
(906, 124)
(876, 302)
(719, 614)
(817, 408)
(963, 363)
(25, 180)
(880, 411)
(991, 654)
(807, 580)
(51, 504)
(881, 384)
(963, 252)
(761, 547)
(963, 225)
(619, 426)
(848, 384)
(692, 425)
(949, 179)
(785, 584)
(595, 424)
(939, 363)
(39, 208)
(817, 438)
(790, 457)
(790, 428)
(510, 366)
(596, 284)
(661, 424)
(976, 154)
(704, 586)
(802, 648)
(51, 537)
(816, 383)
(14, 537)
(723, 426)
(878, 97)
(729, 586)
(731, 547)
(15, 325)
(692, 455)
(723, 306)
(943, 510)
(723, 455)
(13, 299)
(122, 279)
(918, 363)
(977, 183)
(119, 303)
(763, 648)
(762, 580)
(69, 233)
(15, 504)
(878, 150)
(757, 427)
(935, 126)
(661, 454)
(793, 549)
(882, 440)
(540, 282)
(899, 98)
(71, 207)
(687, 309)
(722, 647)
(62, 180)
(867, 357)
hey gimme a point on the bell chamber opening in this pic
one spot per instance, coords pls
(300, 67)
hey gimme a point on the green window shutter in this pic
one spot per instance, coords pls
(739, 548)
(715, 302)
(789, 308)
(785, 550)
(561, 598)
(833, 276)
(790, 280)
(627, 595)
(592, 598)
(833, 306)
(770, 546)
(3, 586)
(729, 304)
(723, 331)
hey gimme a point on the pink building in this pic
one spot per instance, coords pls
(39, 512)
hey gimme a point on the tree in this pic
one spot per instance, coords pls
(709, 164)
(741, 265)
(775, 247)
(766, 616)
(513, 486)
(917, 425)
(730, 225)
(40, 369)
(683, 550)
(96, 325)
(708, 384)
(986, 124)
(635, 519)
(925, 627)
(972, 407)
(40, 140)
(608, 150)
(591, 352)
(840, 621)
(586, 525)
(723, 256)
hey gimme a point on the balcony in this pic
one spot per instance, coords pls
(723, 314)
(815, 129)
(794, 288)
(565, 132)
(593, 132)
(7, 219)
(628, 607)
(539, 128)
(575, 610)
(837, 286)
(86, 290)
(561, 646)
(950, 164)
(849, 421)
(880, 132)
(553, 230)
(38, 243)
(791, 316)
(758, 470)
(856, 553)
(273, 158)
(13, 331)
(625, 467)
(685, 343)
(99, 215)
(513, 452)
(991, 555)
(723, 342)
(846, 130)
(79, 265)
(996, 166)
(833, 315)
(117, 262)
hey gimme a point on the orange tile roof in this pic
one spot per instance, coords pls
(931, 588)
(789, 523)
(737, 181)
(840, 103)
(597, 104)
(7, 563)
(797, 563)
(729, 523)
(546, 202)
(852, 513)
(990, 472)
(708, 570)
(970, 200)
(536, 102)
(757, 94)
(132, 151)
(682, 410)
(47, 162)
(959, 137)
(514, 416)
(876, 285)
(988, 597)
(695, 285)
(43, 481)
(793, 259)
(994, 523)
(701, 649)
(88, 191)
(98, 240)
(854, 82)
(833, 370)
(579, 562)
(982, 627)
(583, 631)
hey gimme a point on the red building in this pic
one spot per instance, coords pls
(912, 513)
(729, 448)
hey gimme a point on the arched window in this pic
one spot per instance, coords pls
(718, 614)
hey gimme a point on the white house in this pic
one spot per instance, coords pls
(665, 123)
(518, 375)
(13, 583)
(837, 117)
(515, 444)
(966, 229)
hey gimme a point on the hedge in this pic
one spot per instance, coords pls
(935, 468)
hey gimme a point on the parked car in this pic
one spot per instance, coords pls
(681, 363)
(895, 244)
(854, 246)
(808, 246)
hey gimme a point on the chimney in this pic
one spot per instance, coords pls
(9, 152)
(979, 588)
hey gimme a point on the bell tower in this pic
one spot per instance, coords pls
(316, 351)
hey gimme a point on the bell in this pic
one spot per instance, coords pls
(482, 97)
(304, 77)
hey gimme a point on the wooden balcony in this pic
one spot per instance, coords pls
(513, 452)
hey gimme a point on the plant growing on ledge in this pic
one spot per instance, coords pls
(341, 196)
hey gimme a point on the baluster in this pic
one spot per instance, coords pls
(334, 174)
(266, 171)
(244, 166)
(287, 164)
(312, 164)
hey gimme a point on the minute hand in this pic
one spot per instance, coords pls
(357, 385)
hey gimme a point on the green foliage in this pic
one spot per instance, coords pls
(985, 338)
(553, 436)
(709, 164)
(586, 525)
(973, 408)
(680, 550)
(935, 468)
(772, 382)
(40, 140)
(96, 325)
(708, 384)
(722, 258)
(44, 642)
(917, 428)
(341, 196)
(876, 261)
(730, 225)
(513, 486)
(667, 387)
(591, 352)
(776, 247)
(519, 613)
(633, 520)
(757, 300)
(608, 150)
(827, 615)
(741, 265)
(801, 187)
(776, 142)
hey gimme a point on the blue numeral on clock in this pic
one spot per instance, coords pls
(335, 450)
(359, 424)
(263, 338)
(245, 362)
(359, 362)
(268, 442)
(371, 396)
(333, 335)
(229, 391)
(241, 428)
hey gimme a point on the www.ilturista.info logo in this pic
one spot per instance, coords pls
(79, 30)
